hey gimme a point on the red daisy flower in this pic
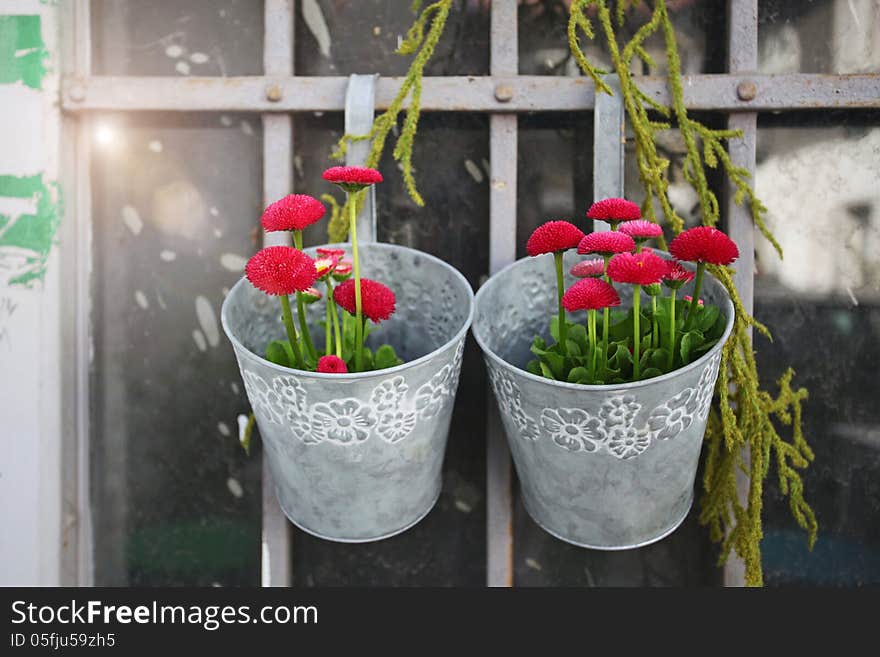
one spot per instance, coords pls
(590, 294)
(588, 268)
(343, 269)
(688, 298)
(332, 365)
(614, 210)
(641, 229)
(606, 243)
(351, 179)
(311, 295)
(377, 301)
(331, 253)
(325, 266)
(293, 212)
(280, 270)
(553, 236)
(676, 275)
(637, 268)
(704, 244)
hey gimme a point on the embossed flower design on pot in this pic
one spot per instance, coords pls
(301, 427)
(395, 425)
(573, 428)
(264, 400)
(674, 416)
(526, 426)
(290, 390)
(342, 421)
(706, 387)
(619, 410)
(626, 442)
(430, 397)
(388, 394)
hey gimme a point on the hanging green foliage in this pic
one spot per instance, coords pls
(742, 433)
(422, 46)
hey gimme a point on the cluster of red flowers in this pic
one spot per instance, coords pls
(285, 270)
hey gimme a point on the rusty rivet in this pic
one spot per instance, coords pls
(746, 90)
(77, 93)
(503, 93)
(274, 93)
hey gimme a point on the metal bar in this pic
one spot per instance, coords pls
(502, 251)
(498, 93)
(360, 99)
(742, 59)
(609, 137)
(75, 234)
(277, 182)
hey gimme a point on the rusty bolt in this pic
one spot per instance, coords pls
(274, 93)
(746, 90)
(77, 93)
(503, 93)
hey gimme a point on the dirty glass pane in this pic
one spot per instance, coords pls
(818, 36)
(451, 154)
(177, 37)
(176, 199)
(818, 177)
(543, 42)
(555, 172)
(341, 37)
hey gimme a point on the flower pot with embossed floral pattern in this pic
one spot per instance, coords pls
(608, 467)
(358, 457)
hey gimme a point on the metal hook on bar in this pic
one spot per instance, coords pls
(360, 102)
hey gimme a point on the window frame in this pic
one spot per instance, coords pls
(277, 94)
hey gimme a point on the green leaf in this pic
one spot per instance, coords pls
(545, 371)
(690, 341)
(650, 373)
(578, 333)
(578, 375)
(276, 352)
(554, 327)
(707, 317)
(534, 367)
(386, 357)
(573, 349)
(717, 329)
(659, 358)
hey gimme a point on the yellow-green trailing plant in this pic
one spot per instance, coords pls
(743, 434)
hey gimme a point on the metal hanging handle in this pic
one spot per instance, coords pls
(609, 137)
(360, 102)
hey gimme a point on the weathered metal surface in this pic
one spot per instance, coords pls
(742, 58)
(459, 93)
(359, 102)
(605, 467)
(609, 137)
(503, 137)
(278, 19)
(358, 457)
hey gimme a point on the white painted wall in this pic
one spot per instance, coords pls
(30, 338)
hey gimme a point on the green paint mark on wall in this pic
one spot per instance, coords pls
(22, 51)
(27, 238)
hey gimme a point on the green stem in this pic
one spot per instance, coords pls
(560, 290)
(301, 305)
(591, 325)
(671, 355)
(358, 325)
(692, 309)
(606, 321)
(328, 331)
(637, 338)
(331, 309)
(655, 330)
(291, 331)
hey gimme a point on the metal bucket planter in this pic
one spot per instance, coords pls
(358, 457)
(604, 467)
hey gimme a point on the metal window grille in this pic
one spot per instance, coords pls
(278, 94)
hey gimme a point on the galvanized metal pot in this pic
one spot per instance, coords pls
(358, 457)
(605, 467)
